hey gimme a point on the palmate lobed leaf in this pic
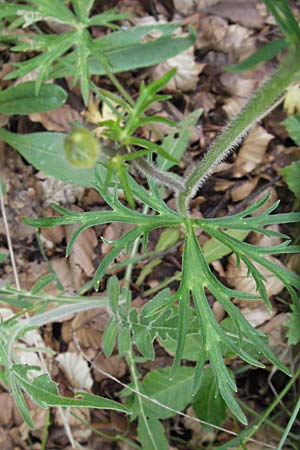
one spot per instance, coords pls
(118, 51)
(196, 276)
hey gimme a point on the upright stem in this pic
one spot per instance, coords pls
(116, 83)
(257, 107)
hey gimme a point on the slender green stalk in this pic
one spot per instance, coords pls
(257, 107)
(116, 83)
(289, 425)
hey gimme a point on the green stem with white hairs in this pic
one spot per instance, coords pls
(257, 107)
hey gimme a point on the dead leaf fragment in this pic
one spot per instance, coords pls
(216, 34)
(244, 12)
(237, 276)
(76, 370)
(256, 315)
(276, 330)
(60, 119)
(185, 7)
(187, 72)
(115, 365)
(242, 189)
(82, 254)
(252, 151)
(200, 436)
(56, 191)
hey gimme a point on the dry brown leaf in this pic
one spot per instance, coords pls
(83, 413)
(232, 106)
(219, 311)
(52, 235)
(216, 34)
(34, 271)
(76, 370)
(237, 277)
(82, 254)
(60, 119)
(6, 440)
(256, 314)
(89, 338)
(4, 119)
(276, 331)
(115, 365)
(62, 268)
(252, 151)
(238, 85)
(186, 7)
(223, 185)
(88, 326)
(113, 231)
(244, 12)
(205, 100)
(39, 417)
(6, 409)
(187, 72)
(200, 436)
(186, 76)
(266, 241)
(242, 189)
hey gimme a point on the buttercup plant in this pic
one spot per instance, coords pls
(179, 318)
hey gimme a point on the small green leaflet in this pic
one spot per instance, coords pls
(292, 124)
(291, 175)
(2, 257)
(293, 325)
(208, 404)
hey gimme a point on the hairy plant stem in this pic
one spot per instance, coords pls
(163, 178)
(257, 107)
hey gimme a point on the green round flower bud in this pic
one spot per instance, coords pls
(81, 148)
